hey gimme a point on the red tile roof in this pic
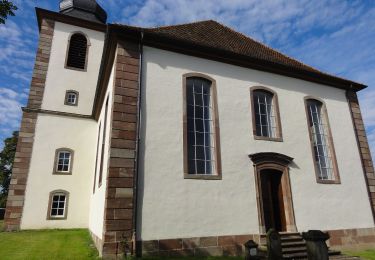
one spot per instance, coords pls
(213, 35)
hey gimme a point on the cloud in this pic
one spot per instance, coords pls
(10, 109)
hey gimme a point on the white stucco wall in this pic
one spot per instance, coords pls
(172, 207)
(97, 200)
(53, 132)
(59, 79)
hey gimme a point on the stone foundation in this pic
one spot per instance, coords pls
(97, 242)
(344, 239)
(352, 239)
(197, 246)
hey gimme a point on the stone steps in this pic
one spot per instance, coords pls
(294, 247)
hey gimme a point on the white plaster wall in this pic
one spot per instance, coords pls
(53, 132)
(59, 79)
(171, 206)
(97, 199)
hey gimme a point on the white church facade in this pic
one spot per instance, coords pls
(185, 139)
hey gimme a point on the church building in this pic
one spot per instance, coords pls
(185, 140)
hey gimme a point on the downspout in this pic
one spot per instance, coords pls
(139, 120)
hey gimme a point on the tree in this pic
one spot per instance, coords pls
(6, 166)
(6, 8)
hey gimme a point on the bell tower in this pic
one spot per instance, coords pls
(84, 9)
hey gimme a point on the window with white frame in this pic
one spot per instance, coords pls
(63, 161)
(71, 98)
(200, 128)
(265, 114)
(58, 205)
(320, 138)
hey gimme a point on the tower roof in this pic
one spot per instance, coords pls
(84, 9)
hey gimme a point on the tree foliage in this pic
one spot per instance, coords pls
(6, 9)
(6, 166)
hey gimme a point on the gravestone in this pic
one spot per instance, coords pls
(274, 249)
(316, 244)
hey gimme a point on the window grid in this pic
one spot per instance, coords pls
(63, 164)
(58, 206)
(72, 98)
(320, 139)
(200, 128)
(265, 119)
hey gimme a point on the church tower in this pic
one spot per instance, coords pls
(57, 122)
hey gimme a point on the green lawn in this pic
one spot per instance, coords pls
(365, 254)
(77, 244)
(194, 258)
(47, 244)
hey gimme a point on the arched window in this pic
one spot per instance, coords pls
(77, 52)
(58, 204)
(201, 128)
(266, 118)
(71, 98)
(63, 161)
(321, 142)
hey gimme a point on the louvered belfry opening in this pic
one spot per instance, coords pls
(77, 51)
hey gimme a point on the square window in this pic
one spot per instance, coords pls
(58, 204)
(63, 161)
(71, 98)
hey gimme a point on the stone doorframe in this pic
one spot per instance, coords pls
(279, 162)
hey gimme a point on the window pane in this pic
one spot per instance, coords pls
(199, 125)
(198, 112)
(200, 153)
(53, 212)
(199, 138)
(200, 167)
(191, 167)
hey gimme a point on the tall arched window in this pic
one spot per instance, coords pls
(266, 118)
(201, 128)
(321, 142)
(77, 51)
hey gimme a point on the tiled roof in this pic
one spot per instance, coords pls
(211, 34)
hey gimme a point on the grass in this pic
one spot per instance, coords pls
(1, 225)
(77, 244)
(194, 258)
(365, 254)
(47, 244)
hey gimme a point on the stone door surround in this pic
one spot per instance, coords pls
(279, 162)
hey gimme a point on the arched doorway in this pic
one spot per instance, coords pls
(274, 197)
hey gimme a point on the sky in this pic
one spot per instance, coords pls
(335, 36)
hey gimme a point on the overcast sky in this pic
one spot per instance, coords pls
(335, 36)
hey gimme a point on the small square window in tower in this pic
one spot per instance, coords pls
(71, 98)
